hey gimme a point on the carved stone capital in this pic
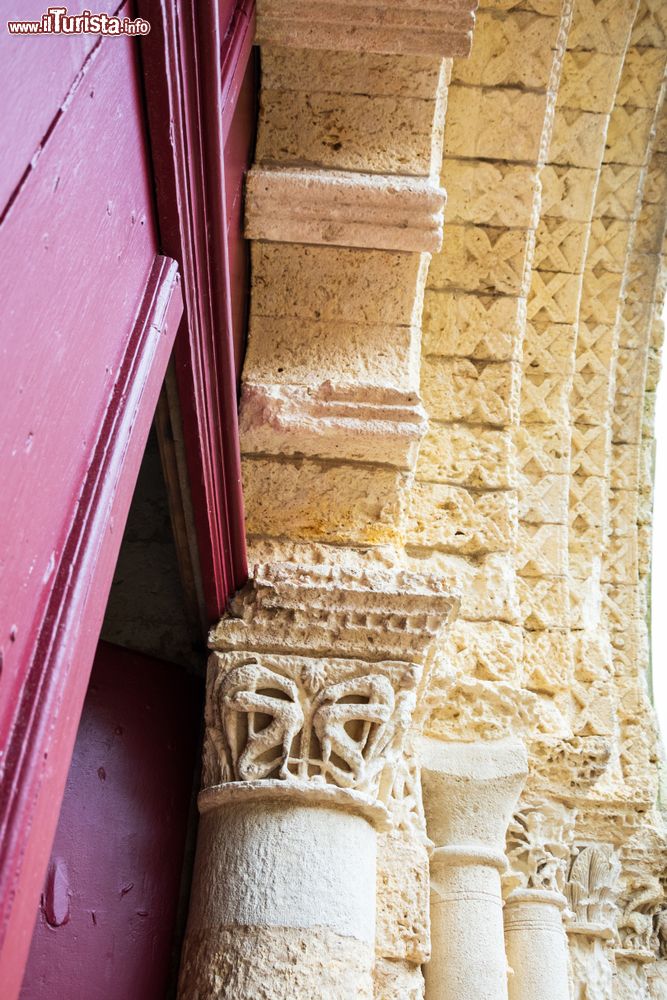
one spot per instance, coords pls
(538, 846)
(313, 684)
(470, 792)
(422, 27)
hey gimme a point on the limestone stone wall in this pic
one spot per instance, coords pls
(468, 412)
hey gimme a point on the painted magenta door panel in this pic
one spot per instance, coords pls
(36, 77)
(54, 677)
(76, 250)
(88, 315)
(106, 919)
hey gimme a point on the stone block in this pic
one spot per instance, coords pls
(590, 402)
(335, 283)
(549, 348)
(642, 275)
(497, 38)
(624, 471)
(560, 245)
(595, 348)
(547, 661)
(591, 656)
(395, 27)
(339, 208)
(608, 244)
(489, 651)
(602, 27)
(543, 602)
(502, 124)
(385, 135)
(589, 80)
(452, 519)
(642, 74)
(331, 503)
(417, 76)
(584, 601)
(545, 501)
(545, 398)
(548, 8)
(630, 372)
(650, 26)
(578, 138)
(396, 980)
(402, 930)
(588, 506)
(653, 369)
(655, 185)
(482, 327)
(626, 420)
(554, 297)
(627, 135)
(568, 192)
(650, 229)
(541, 550)
(623, 510)
(620, 563)
(473, 392)
(635, 324)
(304, 352)
(486, 583)
(484, 259)
(542, 449)
(617, 191)
(494, 194)
(589, 450)
(480, 458)
(331, 422)
(600, 296)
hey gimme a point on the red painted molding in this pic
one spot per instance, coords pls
(40, 742)
(204, 53)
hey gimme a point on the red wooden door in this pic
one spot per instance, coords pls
(88, 310)
(106, 921)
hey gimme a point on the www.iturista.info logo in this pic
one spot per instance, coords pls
(57, 21)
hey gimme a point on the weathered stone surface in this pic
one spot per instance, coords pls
(487, 328)
(472, 392)
(503, 194)
(343, 209)
(467, 456)
(485, 259)
(494, 124)
(398, 27)
(331, 283)
(451, 519)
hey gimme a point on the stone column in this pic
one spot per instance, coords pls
(538, 851)
(470, 791)
(536, 945)
(310, 692)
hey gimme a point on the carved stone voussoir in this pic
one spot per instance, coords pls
(344, 209)
(423, 27)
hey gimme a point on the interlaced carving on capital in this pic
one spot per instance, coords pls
(315, 681)
(592, 889)
(337, 722)
(538, 846)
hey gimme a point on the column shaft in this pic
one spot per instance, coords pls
(536, 945)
